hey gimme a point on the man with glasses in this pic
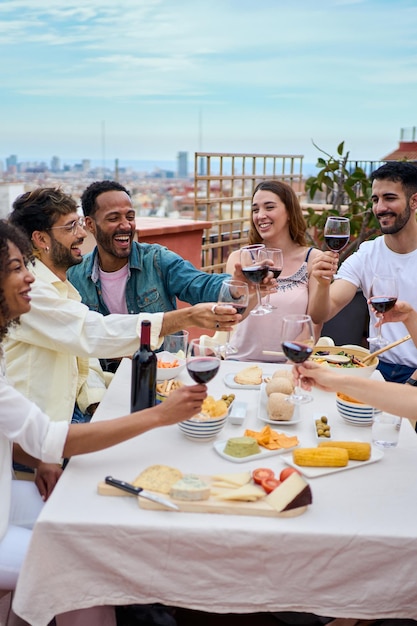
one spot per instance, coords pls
(52, 355)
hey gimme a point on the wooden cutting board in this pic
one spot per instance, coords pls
(212, 505)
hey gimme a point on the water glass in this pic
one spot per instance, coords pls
(177, 343)
(385, 430)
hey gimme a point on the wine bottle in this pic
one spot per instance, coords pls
(144, 368)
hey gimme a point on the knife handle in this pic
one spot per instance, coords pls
(121, 484)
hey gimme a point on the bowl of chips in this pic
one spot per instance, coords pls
(209, 422)
(169, 366)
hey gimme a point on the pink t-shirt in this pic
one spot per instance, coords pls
(263, 332)
(113, 286)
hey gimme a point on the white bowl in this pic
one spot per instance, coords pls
(358, 351)
(202, 429)
(167, 373)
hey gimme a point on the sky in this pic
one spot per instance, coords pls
(144, 79)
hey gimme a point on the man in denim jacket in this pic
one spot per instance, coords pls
(154, 275)
(123, 276)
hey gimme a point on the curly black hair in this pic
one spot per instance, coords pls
(9, 233)
(89, 196)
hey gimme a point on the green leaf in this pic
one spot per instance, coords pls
(340, 148)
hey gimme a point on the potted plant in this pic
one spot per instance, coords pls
(347, 192)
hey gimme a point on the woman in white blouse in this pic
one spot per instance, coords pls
(24, 426)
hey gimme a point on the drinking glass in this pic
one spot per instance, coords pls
(297, 339)
(235, 293)
(177, 343)
(383, 296)
(203, 360)
(385, 429)
(252, 259)
(337, 233)
(275, 255)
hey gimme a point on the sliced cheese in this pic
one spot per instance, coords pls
(247, 493)
(190, 487)
(292, 493)
(236, 479)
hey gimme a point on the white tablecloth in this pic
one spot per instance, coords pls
(352, 554)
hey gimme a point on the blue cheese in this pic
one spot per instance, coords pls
(190, 487)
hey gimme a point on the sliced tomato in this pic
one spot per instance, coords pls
(261, 474)
(287, 471)
(269, 484)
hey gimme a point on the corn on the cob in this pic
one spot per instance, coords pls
(357, 450)
(321, 457)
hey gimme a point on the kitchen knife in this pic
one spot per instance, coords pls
(138, 491)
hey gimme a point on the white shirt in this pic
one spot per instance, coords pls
(21, 421)
(374, 257)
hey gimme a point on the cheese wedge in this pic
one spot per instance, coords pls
(247, 493)
(292, 493)
(235, 479)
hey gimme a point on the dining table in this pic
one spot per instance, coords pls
(352, 553)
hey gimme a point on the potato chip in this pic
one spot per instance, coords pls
(271, 439)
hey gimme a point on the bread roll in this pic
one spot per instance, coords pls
(279, 408)
(283, 374)
(279, 385)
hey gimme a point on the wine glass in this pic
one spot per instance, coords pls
(235, 293)
(383, 296)
(276, 256)
(337, 233)
(297, 339)
(203, 360)
(255, 270)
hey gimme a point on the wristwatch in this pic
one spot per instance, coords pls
(412, 382)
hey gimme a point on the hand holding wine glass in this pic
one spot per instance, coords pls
(297, 344)
(254, 269)
(235, 293)
(275, 255)
(384, 294)
(203, 360)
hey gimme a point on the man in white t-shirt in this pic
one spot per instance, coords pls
(394, 198)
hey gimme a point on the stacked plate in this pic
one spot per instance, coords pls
(200, 428)
(355, 413)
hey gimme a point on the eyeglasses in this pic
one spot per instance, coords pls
(72, 227)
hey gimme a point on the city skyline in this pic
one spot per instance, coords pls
(147, 79)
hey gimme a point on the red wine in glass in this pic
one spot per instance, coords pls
(382, 304)
(297, 341)
(203, 360)
(240, 309)
(276, 271)
(203, 369)
(255, 273)
(383, 296)
(336, 242)
(296, 352)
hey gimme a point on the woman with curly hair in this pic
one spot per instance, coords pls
(278, 222)
(23, 423)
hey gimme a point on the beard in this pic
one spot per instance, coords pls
(399, 222)
(61, 257)
(105, 241)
